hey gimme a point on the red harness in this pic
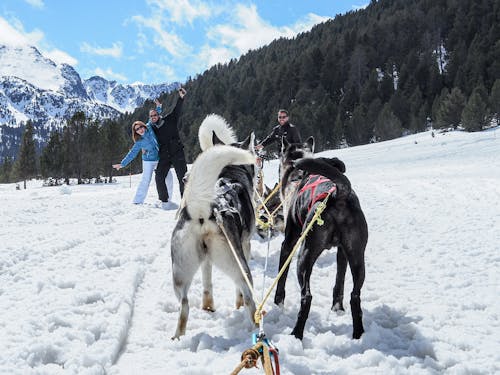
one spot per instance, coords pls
(312, 183)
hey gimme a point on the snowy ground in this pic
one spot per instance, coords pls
(85, 276)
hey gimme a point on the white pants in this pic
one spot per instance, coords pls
(148, 168)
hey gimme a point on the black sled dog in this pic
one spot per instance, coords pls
(305, 183)
(218, 193)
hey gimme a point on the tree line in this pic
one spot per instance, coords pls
(84, 149)
(394, 68)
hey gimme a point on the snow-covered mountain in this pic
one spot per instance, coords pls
(35, 87)
(123, 97)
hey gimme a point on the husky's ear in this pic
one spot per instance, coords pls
(284, 145)
(248, 143)
(309, 145)
(216, 140)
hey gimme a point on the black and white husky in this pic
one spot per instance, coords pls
(306, 181)
(217, 212)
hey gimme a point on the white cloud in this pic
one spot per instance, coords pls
(209, 56)
(157, 72)
(13, 34)
(141, 42)
(61, 57)
(358, 7)
(36, 3)
(169, 41)
(181, 11)
(165, 15)
(244, 30)
(249, 31)
(110, 75)
(115, 51)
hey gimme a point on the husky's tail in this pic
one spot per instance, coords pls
(215, 125)
(199, 193)
(331, 168)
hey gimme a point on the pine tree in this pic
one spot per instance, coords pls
(51, 160)
(6, 170)
(388, 126)
(114, 145)
(26, 162)
(450, 111)
(74, 153)
(66, 148)
(475, 115)
(495, 101)
(358, 130)
(92, 151)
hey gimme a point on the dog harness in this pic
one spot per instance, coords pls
(315, 194)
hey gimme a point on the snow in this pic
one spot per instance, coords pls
(86, 276)
(27, 63)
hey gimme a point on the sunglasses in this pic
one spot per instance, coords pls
(139, 128)
(280, 117)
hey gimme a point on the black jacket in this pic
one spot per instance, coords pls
(167, 131)
(287, 130)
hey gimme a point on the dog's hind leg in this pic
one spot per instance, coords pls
(206, 275)
(185, 263)
(239, 294)
(233, 271)
(223, 258)
(357, 265)
(338, 289)
(292, 234)
(305, 262)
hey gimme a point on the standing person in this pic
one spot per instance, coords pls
(283, 129)
(171, 147)
(145, 141)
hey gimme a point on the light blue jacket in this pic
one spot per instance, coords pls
(148, 143)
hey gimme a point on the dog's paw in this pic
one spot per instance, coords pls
(297, 333)
(337, 306)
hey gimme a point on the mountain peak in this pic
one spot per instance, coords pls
(26, 62)
(35, 87)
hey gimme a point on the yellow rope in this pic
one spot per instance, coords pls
(276, 188)
(263, 204)
(276, 209)
(262, 224)
(218, 219)
(321, 207)
(316, 218)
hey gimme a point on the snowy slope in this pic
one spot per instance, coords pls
(86, 276)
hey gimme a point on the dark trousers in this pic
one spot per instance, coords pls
(164, 164)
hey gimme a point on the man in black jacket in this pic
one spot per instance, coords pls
(171, 147)
(283, 129)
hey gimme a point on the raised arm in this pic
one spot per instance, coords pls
(176, 112)
(129, 157)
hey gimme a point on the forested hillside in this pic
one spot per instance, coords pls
(367, 75)
(392, 68)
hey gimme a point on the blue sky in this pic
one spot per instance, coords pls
(153, 41)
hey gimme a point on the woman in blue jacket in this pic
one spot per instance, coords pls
(144, 140)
